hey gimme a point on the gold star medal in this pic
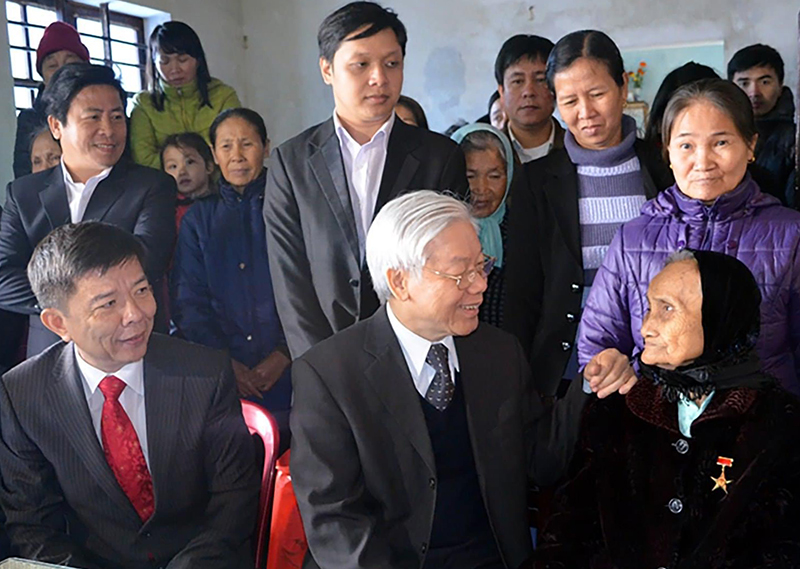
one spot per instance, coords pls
(721, 481)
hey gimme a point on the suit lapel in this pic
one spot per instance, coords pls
(53, 197)
(163, 399)
(67, 401)
(105, 195)
(389, 376)
(401, 164)
(328, 167)
(561, 188)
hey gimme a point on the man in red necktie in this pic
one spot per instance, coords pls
(118, 447)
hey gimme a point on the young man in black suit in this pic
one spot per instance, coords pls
(120, 448)
(325, 185)
(86, 114)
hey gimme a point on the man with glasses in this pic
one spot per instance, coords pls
(416, 431)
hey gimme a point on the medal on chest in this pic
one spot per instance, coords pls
(721, 482)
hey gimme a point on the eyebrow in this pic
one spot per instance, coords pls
(718, 133)
(99, 110)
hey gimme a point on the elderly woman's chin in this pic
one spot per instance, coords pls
(656, 357)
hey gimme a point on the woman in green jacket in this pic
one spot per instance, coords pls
(182, 95)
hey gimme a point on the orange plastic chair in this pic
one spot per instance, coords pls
(262, 424)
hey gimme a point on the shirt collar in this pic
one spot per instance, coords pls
(382, 136)
(94, 179)
(549, 144)
(416, 347)
(689, 412)
(132, 374)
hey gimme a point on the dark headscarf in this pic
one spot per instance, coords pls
(731, 323)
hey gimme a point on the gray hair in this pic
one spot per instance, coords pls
(399, 236)
(72, 251)
(680, 255)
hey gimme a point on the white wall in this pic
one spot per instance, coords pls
(452, 45)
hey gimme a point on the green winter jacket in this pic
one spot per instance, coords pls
(182, 113)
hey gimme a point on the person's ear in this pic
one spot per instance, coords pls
(214, 154)
(752, 147)
(266, 150)
(397, 280)
(502, 98)
(326, 69)
(54, 320)
(55, 127)
(624, 86)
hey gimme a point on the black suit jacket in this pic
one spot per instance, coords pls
(60, 497)
(320, 283)
(138, 199)
(362, 464)
(544, 272)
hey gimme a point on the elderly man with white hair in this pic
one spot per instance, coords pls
(417, 431)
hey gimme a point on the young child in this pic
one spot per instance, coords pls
(187, 158)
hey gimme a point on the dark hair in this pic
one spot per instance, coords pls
(757, 55)
(593, 44)
(180, 38)
(481, 140)
(515, 48)
(416, 110)
(492, 99)
(724, 95)
(188, 140)
(248, 115)
(71, 251)
(70, 80)
(676, 78)
(336, 28)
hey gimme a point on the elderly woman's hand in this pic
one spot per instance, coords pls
(608, 372)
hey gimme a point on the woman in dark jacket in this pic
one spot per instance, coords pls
(566, 206)
(698, 467)
(221, 286)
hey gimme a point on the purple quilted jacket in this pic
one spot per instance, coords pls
(745, 223)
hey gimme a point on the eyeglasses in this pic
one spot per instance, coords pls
(465, 279)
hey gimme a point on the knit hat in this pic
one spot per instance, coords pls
(60, 36)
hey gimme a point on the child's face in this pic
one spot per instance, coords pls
(189, 170)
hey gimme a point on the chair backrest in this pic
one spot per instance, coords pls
(263, 425)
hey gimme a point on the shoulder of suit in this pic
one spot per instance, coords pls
(36, 181)
(142, 174)
(299, 144)
(339, 348)
(556, 163)
(37, 367)
(181, 357)
(430, 140)
(487, 336)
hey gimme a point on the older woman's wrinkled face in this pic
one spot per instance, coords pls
(673, 327)
(707, 153)
(486, 174)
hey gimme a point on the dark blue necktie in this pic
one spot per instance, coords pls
(441, 390)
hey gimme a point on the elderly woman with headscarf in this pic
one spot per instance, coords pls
(490, 169)
(698, 466)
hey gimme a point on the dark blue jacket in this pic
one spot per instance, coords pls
(221, 288)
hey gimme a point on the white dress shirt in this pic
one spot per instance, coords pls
(529, 154)
(131, 398)
(363, 166)
(415, 350)
(78, 194)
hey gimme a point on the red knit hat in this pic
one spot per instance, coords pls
(58, 36)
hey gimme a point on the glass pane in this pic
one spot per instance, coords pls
(35, 36)
(19, 64)
(13, 12)
(16, 35)
(40, 16)
(129, 106)
(124, 53)
(95, 47)
(23, 98)
(32, 55)
(124, 33)
(131, 78)
(87, 26)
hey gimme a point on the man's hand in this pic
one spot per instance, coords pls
(246, 380)
(608, 372)
(269, 371)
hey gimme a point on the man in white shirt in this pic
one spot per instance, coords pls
(528, 103)
(86, 114)
(120, 448)
(325, 185)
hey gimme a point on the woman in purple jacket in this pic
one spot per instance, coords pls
(709, 135)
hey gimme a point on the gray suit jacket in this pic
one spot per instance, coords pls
(362, 464)
(62, 502)
(314, 258)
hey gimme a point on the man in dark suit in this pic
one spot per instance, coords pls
(325, 185)
(118, 448)
(86, 113)
(416, 431)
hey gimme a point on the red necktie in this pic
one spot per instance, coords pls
(123, 451)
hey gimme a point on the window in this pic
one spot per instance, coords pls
(112, 39)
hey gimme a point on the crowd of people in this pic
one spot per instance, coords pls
(437, 323)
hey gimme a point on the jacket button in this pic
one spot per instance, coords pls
(681, 244)
(681, 446)
(570, 317)
(353, 282)
(566, 346)
(675, 506)
(576, 287)
(432, 483)
(424, 548)
(249, 338)
(732, 244)
(242, 266)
